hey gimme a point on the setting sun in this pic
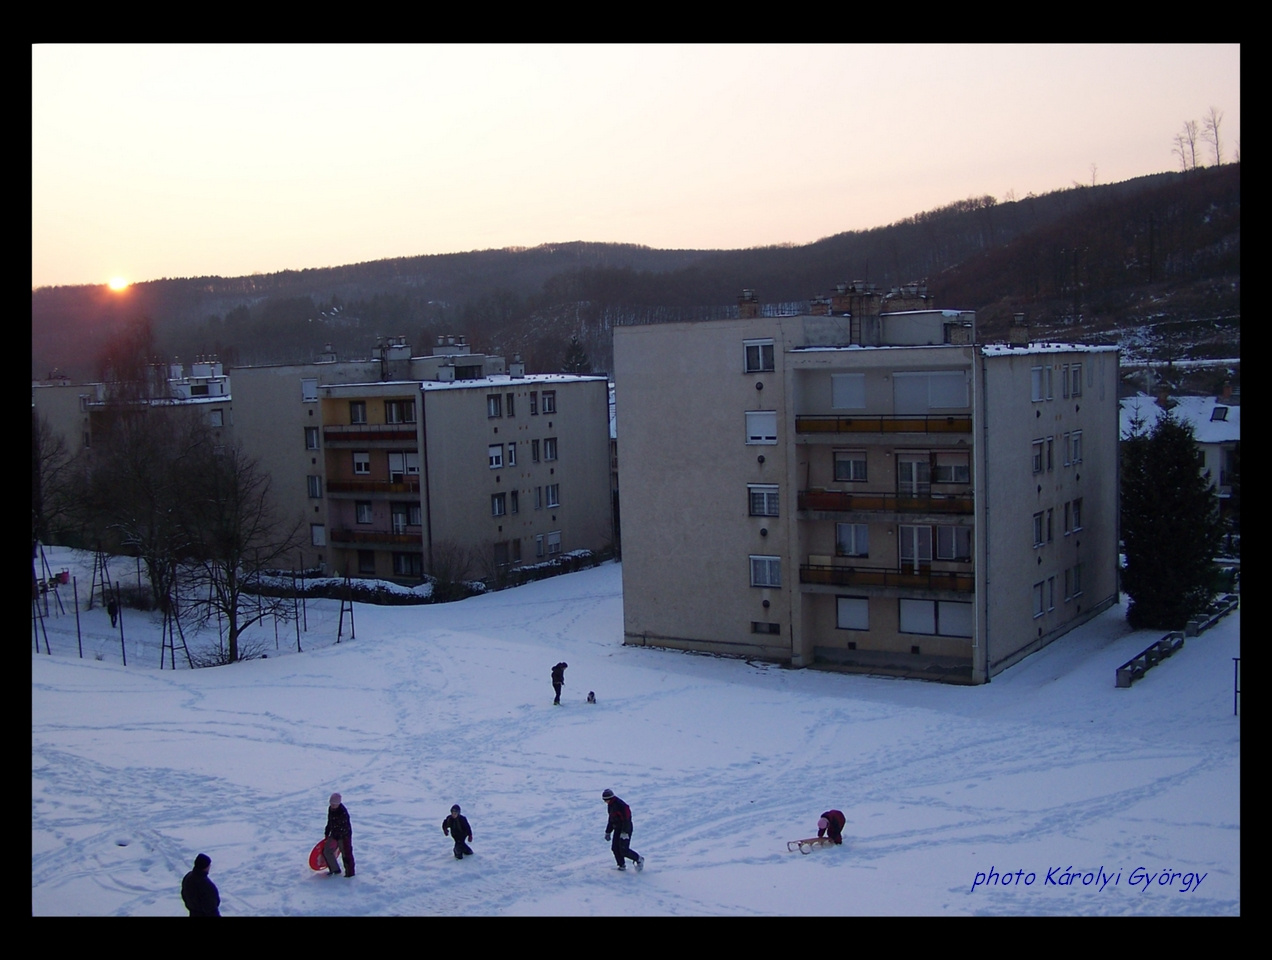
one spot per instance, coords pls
(118, 283)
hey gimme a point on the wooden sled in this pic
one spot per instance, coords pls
(809, 845)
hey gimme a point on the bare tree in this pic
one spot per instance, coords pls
(1210, 133)
(1186, 146)
(234, 535)
(451, 566)
(52, 483)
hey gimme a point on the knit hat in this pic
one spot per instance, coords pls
(823, 823)
(455, 809)
(202, 862)
(608, 794)
(335, 800)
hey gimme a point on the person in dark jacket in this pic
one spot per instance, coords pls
(339, 834)
(456, 825)
(113, 609)
(832, 823)
(558, 680)
(198, 892)
(620, 825)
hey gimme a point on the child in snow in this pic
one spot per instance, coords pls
(339, 834)
(620, 825)
(832, 823)
(456, 825)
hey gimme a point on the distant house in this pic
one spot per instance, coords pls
(1216, 424)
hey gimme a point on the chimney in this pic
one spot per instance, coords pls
(1226, 393)
(819, 307)
(517, 368)
(1018, 332)
(748, 305)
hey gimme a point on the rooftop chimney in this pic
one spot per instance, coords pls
(1018, 332)
(748, 305)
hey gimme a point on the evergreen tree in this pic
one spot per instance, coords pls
(576, 358)
(1170, 526)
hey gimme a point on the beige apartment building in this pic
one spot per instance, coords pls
(401, 463)
(864, 490)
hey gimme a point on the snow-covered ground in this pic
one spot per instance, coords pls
(1047, 791)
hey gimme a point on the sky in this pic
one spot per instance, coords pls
(154, 161)
(1048, 791)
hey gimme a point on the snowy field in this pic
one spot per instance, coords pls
(1047, 791)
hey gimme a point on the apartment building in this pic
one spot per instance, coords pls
(399, 463)
(864, 489)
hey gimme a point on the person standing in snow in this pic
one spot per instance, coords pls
(456, 826)
(112, 608)
(198, 892)
(620, 825)
(832, 823)
(339, 834)
(558, 680)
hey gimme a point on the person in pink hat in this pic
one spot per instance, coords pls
(832, 823)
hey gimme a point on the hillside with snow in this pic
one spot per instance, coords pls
(1089, 800)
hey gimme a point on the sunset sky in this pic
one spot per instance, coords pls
(176, 161)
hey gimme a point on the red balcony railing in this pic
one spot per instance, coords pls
(839, 500)
(836, 576)
(883, 424)
(409, 485)
(369, 433)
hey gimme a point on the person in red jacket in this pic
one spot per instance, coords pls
(620, 825)
(832, 824)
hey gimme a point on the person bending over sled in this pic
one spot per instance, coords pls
(832, 824)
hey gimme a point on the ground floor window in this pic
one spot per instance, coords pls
(946, 618)
(852, 613)
(408, 564)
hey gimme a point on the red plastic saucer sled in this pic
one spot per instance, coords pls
(316, 860)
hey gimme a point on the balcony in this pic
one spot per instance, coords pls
(409, 484)
(924, 579)
(365, 433)
(831, 501)
(375, 536)
(883, 424)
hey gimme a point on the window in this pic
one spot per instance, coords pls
(534, 450)
(852, 613)
(1075, 388)
(553, 491)
(759, 355)
(315, 486)
(534, 408)
(914, 474)
(538, 498)
(915, 545)
(946, 618)
(366, 562)
(403, 464)
(951, 468)
(1068, 518)
(311, 438)
(914, 393)
(309, 389)
(1039, 599)
(1077, 514)
(399, 411)
(549, 401)
(408, 565)
(498, 504)
(1051, 593)
(494, 406)
(363, 509)
(848, 391)
(1073, 582)
(538, 545)
(318, 534)
(762, 499)
(953, 543)
(852, 540)
(1064, 380)
(761, 627)
(357, 411)
(554, 539)
(1042, 527)
(1077, 446)
(850, 465)
(1051, 445)
(494, 455)
(400, 513)
(217, 418)
(512, 452)
(199, 390)
(1037, 458)
(514, 501)
(761, 426)
(550, 448)
(1040, 383)
(508, 403)
(766, 571)
(361, 463)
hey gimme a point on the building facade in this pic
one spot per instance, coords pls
(872, 492)
(400, 464)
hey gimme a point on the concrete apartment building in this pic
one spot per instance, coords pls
(399, 462)
(864, 489)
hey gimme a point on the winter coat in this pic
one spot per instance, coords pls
(836, 821)
(456, 826)
(200, 894)
(620, 817)
(558, 673)
(338, 825)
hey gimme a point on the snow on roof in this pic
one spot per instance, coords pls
(1197, 411)
(1004, 349)
(503, 380)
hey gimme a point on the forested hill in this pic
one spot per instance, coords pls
(1165, 246)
